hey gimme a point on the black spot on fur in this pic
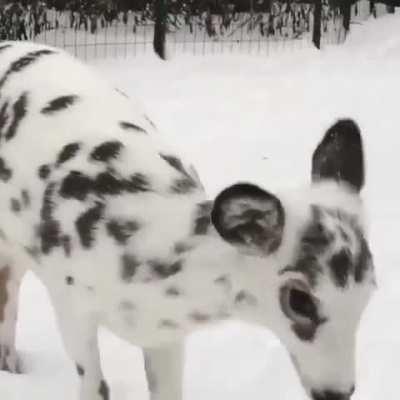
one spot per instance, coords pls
(107, 184)
(3, 116)
(126, 305)
(44, 171)
(26, 200)
(131, 126)
(245, 298)
(224, 281)
(104, 392)
(15, 205)
(49, 229)
(106, 151)
(23, 62)
(199, 317)
(183, 186)
(86, 224)
(69, 151)
(138, 183)
(5, 171)
(69, 280)
(129, 265)
(172, 291)
(47, 204)
(340, 265)
(80, 370)
(66, 244)
(121, 93)
(50, 235)
(364, 261)
(33, 251)
(168, 324)
(58, 104)
(164, 270)
(182, 247)
(19, 112)
(76, 186)
(203, 219)
(122, 231)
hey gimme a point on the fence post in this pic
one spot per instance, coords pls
(160, 27)
(317, 24)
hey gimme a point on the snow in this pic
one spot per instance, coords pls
(242, 117)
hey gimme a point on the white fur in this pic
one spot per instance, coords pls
(134, 310)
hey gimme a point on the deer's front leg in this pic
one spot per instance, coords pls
(164, 371)
(79, 333)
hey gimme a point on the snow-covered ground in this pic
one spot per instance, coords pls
(258, 119)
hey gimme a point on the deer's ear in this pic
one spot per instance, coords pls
(340, 155)
(250, 218)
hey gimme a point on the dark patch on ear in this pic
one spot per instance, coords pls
(164, 270)
(104, 392)
(203, 218)
(5, 171)
(23, 62)
(106, 151)
(69, 280)
(121, 231)
(129, 264)
(247, 215)
(59, 103)
(199, 317)
(76, 186)
(339, 156)
(69, 151)
(130, 126)
(305, 332)
(19, 112)
(340, 265)
(15, 205)
(87, 222)
(44, 171)
(80, 370)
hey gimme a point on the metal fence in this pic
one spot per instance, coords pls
(262, 27)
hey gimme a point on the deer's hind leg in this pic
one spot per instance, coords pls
(10, 280)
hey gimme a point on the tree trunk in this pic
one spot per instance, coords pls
(372, 8)
(317, 24)
(160, 26)
(346, 12)
(390, 9)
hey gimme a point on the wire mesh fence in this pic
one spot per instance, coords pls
(98, 29)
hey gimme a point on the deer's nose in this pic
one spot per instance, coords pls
(331, 395)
